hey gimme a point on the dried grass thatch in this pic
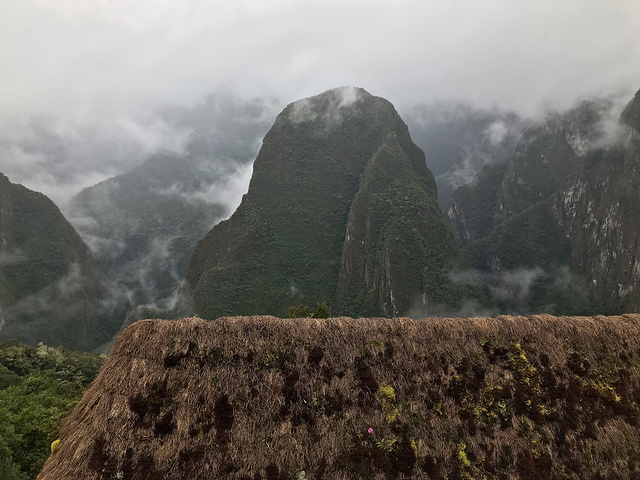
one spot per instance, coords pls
(268, 398)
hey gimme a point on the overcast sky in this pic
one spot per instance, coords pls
(108, 62)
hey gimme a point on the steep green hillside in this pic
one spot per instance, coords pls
(50, 287)
(333, 168)
(472, 206)
(398, 248)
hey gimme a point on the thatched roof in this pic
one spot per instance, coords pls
(268, 398)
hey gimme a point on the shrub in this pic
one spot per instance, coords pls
(304, 311)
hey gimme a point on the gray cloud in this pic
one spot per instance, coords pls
(514, 285)
(70, 55)
(81, 80)
(59, 157)
(305, 110)
(229, 182)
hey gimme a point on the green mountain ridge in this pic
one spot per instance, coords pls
(334, 170)
(144, 224)
(50, 287)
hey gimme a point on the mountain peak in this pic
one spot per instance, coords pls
(339, 195)
(333, 106)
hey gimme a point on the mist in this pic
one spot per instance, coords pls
(142, 225)
(87, 85)
(73, 57)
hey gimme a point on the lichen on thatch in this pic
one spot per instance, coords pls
(267, 398)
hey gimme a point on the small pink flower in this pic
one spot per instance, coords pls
(370, 430)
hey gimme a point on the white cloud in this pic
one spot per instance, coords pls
(89, 73)
(59, 157)
(69, 56)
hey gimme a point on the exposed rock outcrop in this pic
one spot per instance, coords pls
(598, 209)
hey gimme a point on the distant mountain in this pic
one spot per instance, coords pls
(144, 224)
(50, 287)
(458, 140)
(341, 208)
(598, 210)
(558, 218)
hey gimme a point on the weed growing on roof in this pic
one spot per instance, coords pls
(607, 392)
(525, 372)
(386, 444)
(414, 447)
(502, 408)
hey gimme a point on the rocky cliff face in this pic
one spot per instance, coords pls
(50, 288)
(566, 202)
(598, 209)
(545, 154)
(341, 208)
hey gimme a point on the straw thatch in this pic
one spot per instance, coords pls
(267, 398)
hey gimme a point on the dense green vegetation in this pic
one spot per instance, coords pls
(304, 311)
(38, 387)
(341, 207)
(531, 238)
